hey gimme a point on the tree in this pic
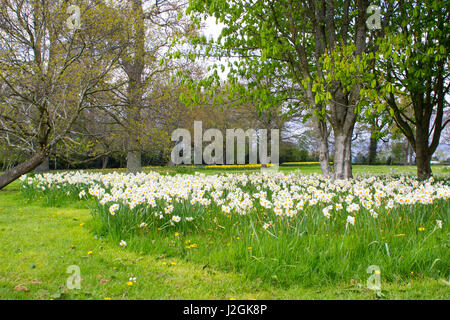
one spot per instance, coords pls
(415, 64)
(150, 32)
(378, 125)
(49, 74)
(315, 52)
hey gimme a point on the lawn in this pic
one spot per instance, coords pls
(43, 236)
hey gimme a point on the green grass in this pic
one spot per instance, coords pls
(41, 239)
(304, 168)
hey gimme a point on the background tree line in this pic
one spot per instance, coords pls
(111, 92)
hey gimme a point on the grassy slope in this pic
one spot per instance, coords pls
(38, 243)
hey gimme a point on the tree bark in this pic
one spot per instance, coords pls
(343, 156)
(44, 166)
(373, 146)
(324, 155)
(21, 169)
(423, 156)
(348, 171)
(135, 72)
(339, 156)
(134, 162)
(105, 162)
(423, 165)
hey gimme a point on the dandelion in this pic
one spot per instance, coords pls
(89, 252)
(129, 283)
(421, 229)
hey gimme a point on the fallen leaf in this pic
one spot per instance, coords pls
(21, 288)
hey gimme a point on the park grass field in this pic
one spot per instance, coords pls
(40, 240)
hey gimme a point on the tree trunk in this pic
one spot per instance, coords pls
(21, 169)
(324, 156)
(339, 156)
(423, 160)
(134, 162)
(135, 72)
(105, 162)
(373, 144)
(44, 166)
(342, 157)
(348, 171)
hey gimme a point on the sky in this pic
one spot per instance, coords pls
(212, 28)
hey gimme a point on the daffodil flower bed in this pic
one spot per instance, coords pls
(299, 227)
(237, 166)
